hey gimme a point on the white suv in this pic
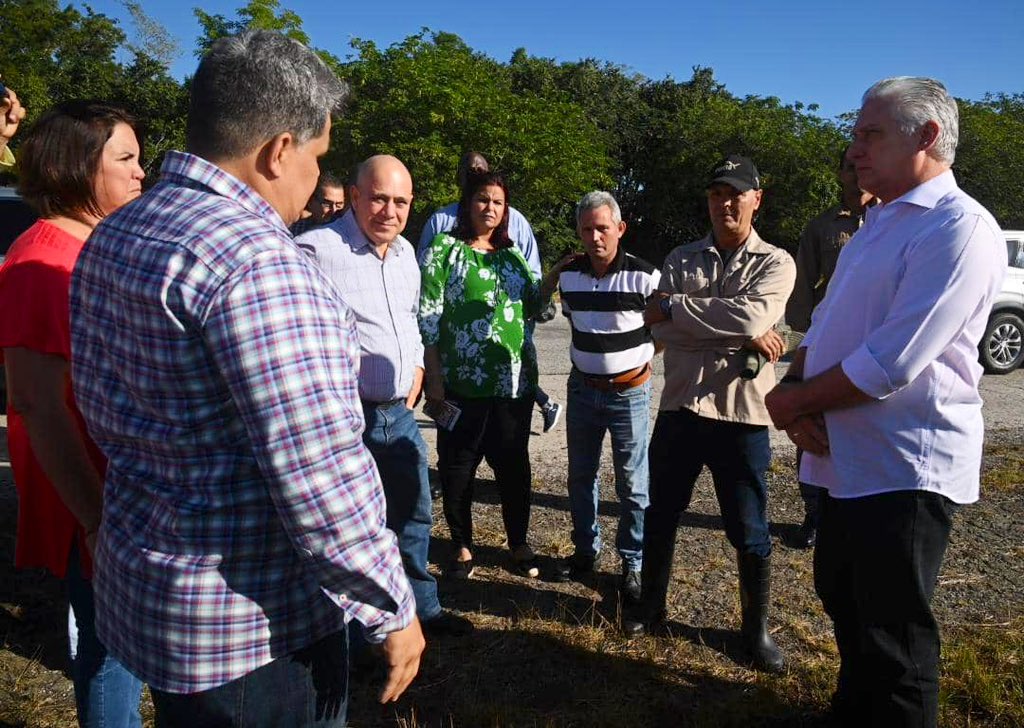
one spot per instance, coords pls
(1002, 346)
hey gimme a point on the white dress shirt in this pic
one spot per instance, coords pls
(903, 314)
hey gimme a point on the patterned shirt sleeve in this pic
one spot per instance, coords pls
(287, 350)
(435, 275)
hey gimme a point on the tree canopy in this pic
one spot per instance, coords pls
(555, 129)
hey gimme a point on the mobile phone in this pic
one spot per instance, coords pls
(3, 90)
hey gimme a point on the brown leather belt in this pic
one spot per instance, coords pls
(621, 382)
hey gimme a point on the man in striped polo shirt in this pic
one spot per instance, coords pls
(604, 294)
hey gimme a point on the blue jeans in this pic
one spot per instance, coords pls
(106, 694)
(589, 414)
(393, 438)
(307, 689)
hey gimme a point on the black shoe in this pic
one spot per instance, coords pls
(806, 535)
(755, 586)
(435, 492)
(447, 624)
(630, 584)
(460, 569)
(524, 562)
(635, 625)
(573, 568)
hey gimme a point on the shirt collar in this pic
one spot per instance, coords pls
(753, 245)
(614, 267)
(927, 194)
(191, 171)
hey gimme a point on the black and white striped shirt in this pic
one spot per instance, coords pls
(607, 313)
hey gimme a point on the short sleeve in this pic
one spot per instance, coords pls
(34, 299)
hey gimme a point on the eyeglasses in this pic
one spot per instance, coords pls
(332, 204)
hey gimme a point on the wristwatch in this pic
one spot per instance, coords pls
(666, 307)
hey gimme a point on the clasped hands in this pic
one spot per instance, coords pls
(805, 430)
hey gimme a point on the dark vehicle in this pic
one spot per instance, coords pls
(15, 218)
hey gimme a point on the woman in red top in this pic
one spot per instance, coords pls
(79, 162)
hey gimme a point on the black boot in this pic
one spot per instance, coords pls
(755, 586)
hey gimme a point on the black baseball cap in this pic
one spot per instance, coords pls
(737, 171)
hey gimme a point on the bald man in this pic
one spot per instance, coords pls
(376, 271)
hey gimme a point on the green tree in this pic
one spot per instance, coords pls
(56, 54)
(256, 15)
(990, 158)
(430, 98)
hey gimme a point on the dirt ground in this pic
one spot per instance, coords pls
(522, 624)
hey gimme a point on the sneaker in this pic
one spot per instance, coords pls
(525, 561)
(574, 567)
(460, 569)
(447, 624)
(630, 585)
(551, 412)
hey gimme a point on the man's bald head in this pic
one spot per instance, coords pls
(471, 161)
(382, 198)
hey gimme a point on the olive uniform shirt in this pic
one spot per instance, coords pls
(822, 241)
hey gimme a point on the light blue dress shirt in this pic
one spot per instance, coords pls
(383, 293)
(903, 314)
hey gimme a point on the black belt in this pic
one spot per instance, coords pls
(383, 405)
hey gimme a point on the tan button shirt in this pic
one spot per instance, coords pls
(716, 309)
(822, 241)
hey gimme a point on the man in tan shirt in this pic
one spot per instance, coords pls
(718, 299)
(822, 241)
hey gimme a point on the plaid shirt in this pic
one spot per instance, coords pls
(216, 367)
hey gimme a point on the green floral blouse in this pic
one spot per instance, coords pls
(473, 308)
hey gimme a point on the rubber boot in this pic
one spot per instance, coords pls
(755, 587)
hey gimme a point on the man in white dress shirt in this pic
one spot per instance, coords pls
(883, 399)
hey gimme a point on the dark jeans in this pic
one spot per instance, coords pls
(393, 438)
(737, 455)
(306, 689)
(875, 567)
(499, 430)
(106, 694)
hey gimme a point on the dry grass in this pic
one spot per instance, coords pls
(551, 655)
(1004, 469)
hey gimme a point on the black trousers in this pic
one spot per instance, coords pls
(876, 563)
(497, 429)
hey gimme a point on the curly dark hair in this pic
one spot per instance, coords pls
(476, 181)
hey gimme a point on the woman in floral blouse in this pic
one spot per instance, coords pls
(477, 295)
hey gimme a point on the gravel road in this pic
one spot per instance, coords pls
(1004, 403)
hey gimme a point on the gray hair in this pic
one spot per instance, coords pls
(916, 100)
(596, 199)
(253, 86)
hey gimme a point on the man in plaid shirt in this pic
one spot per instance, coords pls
(216, 367)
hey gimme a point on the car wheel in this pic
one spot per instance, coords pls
(1002, 347)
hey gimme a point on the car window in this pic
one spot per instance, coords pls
(1015, 251)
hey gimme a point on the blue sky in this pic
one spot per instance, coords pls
(816, 52)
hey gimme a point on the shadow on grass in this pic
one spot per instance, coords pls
(485, 491)
(523, 678)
